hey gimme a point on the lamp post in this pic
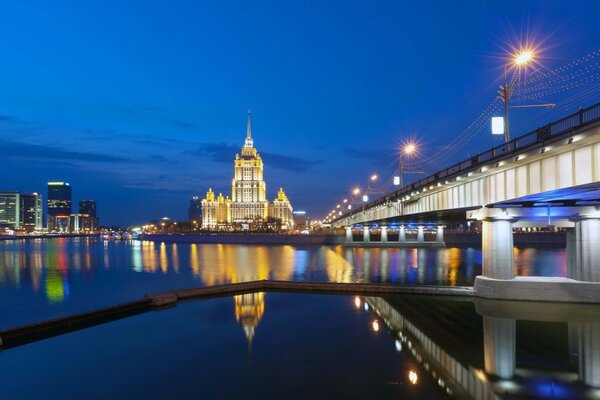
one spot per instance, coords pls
(521, 59)
(408, 150)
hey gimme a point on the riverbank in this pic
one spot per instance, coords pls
(246, 238)
(452, 239)
(47, 236)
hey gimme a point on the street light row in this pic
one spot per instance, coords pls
(500, 126)
(409, 149)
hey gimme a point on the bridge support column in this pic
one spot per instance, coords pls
(497, 248)
(366, 235)
(583, 251)
(420, 234)
(349, 238)
(439, 236)
(499, 338)
(402, 234)
(384, 237)
(589, 353)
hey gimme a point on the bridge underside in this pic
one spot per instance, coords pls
(583, 195)
(441, 217)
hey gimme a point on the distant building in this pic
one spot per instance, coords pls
(248, 206)
(10, 209)
(195, 210)
(32, 210)
(301, 220)
(87, 209)
(59, 206)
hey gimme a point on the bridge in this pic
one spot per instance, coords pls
(548, 177)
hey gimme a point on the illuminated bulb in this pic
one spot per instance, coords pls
(413, 377)
(357, 302)
(375, 325)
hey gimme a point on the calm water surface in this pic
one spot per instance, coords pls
(277, 345)
(41, 279)
(294, 346)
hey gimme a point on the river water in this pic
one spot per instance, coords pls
(277, 345)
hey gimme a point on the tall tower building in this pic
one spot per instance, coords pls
(32, 210)
(10, 209)
(59, 206)
(248, 206)
(248, 187)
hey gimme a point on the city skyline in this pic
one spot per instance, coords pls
(142, 126)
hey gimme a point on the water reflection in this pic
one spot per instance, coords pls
(35, 265)
(482, 349)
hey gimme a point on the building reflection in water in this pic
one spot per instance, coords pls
(459, 373)
(249, 309)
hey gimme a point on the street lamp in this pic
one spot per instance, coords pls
(521, 59)
(408, 150)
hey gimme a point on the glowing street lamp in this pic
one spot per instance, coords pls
(408, 150)
(520, 59)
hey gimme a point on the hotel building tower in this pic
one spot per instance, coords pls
(248, 205)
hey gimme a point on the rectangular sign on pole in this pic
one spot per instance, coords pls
(498, 125)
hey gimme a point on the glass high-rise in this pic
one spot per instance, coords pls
(10, 209)
(59, 206)
(32, 211)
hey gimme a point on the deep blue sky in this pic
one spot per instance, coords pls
(141, 104)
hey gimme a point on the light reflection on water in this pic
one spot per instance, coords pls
(93, 273)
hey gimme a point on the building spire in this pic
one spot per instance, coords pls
(249, 142)
(249, 127)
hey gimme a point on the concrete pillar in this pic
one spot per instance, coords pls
(349, 238)
(384, 238)
(587, 250)
(589, 353)
(402, 234)
(420, 234)
(499, 338)
(571, 254)
(439, 236)
(497, 249)
(366, 235)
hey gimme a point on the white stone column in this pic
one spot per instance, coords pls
(499, 338)
(402, 234)
(439, 236)
(420, 234)
(366, 235)
(571, 253)
(349, 238)
(384, 237)
(587, 250)
(497, 249)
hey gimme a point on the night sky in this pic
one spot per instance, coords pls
(142, 104)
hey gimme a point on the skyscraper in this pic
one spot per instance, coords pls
(195, 210)
(87, 210)
(59, 206)
(248, 205)
(10, 205)
(32, 211)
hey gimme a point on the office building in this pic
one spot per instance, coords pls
(32, 211)
(59, 206)
(10, 209)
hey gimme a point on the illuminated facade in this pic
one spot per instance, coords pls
(10, 209)
(248, 205)
(32, 211)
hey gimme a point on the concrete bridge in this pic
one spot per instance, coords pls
(547, 178)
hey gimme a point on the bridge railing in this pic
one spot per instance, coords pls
(552, 131)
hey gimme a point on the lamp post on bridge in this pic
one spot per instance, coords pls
(521, 59)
